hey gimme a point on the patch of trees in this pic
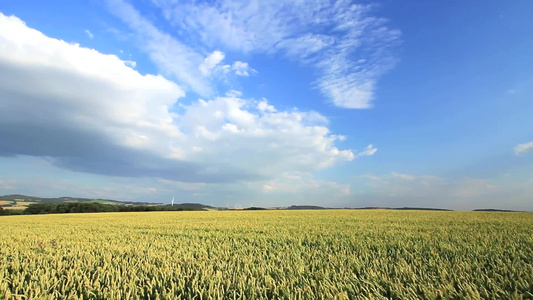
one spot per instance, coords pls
(65, 208)
(255, 208)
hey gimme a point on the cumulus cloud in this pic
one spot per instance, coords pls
(211, 62)
(242, 68)
(258, 136)
(90, 112)
(523, 148)
(238, 68)
(348, 46)
(211, 66)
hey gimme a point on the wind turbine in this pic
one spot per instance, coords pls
(172, 203)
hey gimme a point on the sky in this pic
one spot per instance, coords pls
(269, 103)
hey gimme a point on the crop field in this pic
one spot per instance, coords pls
(19, 207)
(329, 254)
(21, 204)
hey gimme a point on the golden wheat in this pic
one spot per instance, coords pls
(334, 254)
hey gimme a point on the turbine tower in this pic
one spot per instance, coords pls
(172, 203)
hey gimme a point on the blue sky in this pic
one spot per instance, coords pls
(269, 103)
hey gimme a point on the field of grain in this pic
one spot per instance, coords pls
(333, 254)
(19, 207)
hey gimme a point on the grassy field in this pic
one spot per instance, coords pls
(333, 254)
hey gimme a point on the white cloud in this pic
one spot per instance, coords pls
(211, 65)
(89, 34)
(523, 148)
(348, 46)
(242, 68)
(63, 78)
(264, 106)
(247, 130)
(91, 112)
(369, 151)
(211, 62)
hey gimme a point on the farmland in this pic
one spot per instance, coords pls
(330, 254)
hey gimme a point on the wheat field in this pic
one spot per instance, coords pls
(329, 254)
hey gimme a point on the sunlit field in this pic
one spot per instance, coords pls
(331, 254)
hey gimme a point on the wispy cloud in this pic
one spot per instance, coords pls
(523, 148)
(89, 34)
(171, 56)
(182, 62)
(348, 46)
(402, 176)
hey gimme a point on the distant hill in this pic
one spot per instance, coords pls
(23, 204)
(496, 210)
(299, 207)
(18, 197)
(26, 198)
(20, 202)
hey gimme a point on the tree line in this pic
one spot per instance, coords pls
(90, 207)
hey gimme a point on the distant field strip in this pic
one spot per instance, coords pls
(330, 254)
(16, 207)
